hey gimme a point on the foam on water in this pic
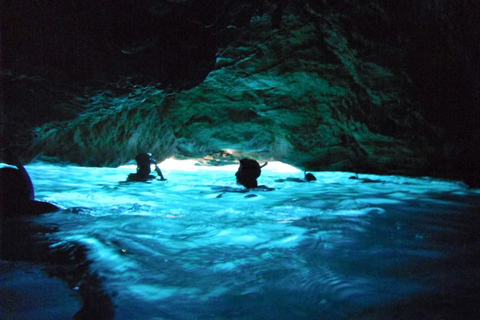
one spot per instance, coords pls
(333, 248)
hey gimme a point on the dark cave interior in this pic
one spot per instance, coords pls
(408, 71)
(381, 87)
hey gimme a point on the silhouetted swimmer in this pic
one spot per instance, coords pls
(248, 172)
(144, 161)
(364, 180)
(17, 196)
(247, 175)
(308, 177)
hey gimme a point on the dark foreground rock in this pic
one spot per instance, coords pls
(25, 247)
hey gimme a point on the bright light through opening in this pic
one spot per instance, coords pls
(194, 165)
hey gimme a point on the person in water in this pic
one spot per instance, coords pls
(308, 177)
(364, 180)
(248, 172)
(144, 162)
(17, 196)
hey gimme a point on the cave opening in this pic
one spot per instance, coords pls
(379, 101)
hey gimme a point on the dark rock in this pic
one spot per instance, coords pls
(16, 195)
(22, 240)
(367, 86)
(14, 191)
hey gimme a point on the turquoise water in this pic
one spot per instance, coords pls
(337, 248)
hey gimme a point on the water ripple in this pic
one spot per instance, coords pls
(333, 249)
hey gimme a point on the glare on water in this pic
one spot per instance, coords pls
(189, 248)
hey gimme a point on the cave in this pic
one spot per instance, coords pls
(386, 94)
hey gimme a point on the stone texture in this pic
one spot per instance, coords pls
(111, 135)
(322, 85)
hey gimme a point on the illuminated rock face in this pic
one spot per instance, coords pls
(319, 84)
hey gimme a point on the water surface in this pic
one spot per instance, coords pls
(390, 248)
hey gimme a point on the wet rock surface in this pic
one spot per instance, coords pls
(25, 247)
(323, 85)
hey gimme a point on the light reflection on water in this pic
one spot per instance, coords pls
(334, 248)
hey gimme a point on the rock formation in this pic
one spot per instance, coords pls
(365, 86)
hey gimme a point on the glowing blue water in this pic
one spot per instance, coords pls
(332, 249)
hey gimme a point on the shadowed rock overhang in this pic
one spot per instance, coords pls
(323, 85)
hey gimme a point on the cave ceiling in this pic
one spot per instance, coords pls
(363, 86)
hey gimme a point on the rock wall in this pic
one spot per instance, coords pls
(365, 86)
(109, 136)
